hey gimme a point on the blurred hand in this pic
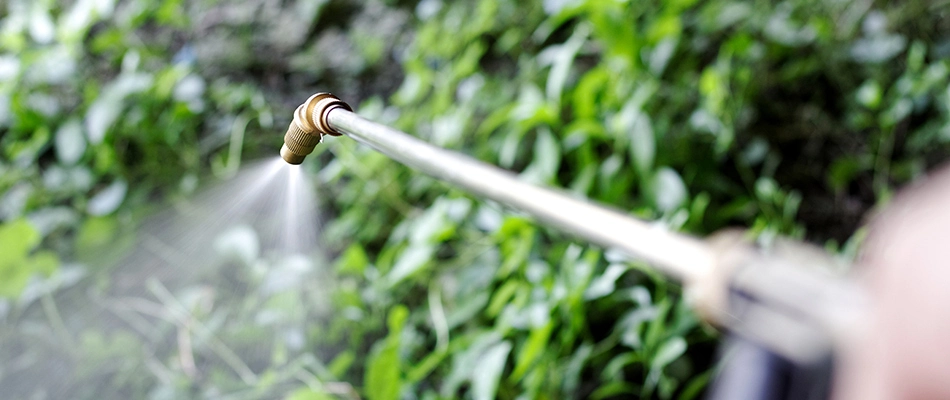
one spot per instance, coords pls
(904, 350)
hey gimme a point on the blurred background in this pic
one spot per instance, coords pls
(128, 126)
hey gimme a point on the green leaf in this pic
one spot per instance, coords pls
(695, 386)
(501, 297)
(396, 320)
(587, 90)
(642, 141)
(13, 278)
(574, 368)
(488, 371)
(353, 261)
(309, 394)
(532, 349)
(672, 349)
(382, 373)
(44, 262)
(614, 368)
(614, 390)
(70, 142)
(108, 200)
(516, 238)
(18, 239)
(426, 366)
(96, 232)
(546, 159)
(669, 351)
(713, 86)
(410, 261)
(563, 58)
(383, 379)
(669, 191)
(27, 151)
(341, 363)
(606, 283)
(869, 94)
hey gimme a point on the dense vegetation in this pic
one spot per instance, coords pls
(789, 118)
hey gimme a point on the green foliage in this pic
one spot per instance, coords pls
(18, 261)
(697, 114)
(89, 105)
(383, 381)
(788, 118)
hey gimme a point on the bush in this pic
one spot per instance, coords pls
(790, 119)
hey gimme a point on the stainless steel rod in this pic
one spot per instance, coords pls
(680, 256)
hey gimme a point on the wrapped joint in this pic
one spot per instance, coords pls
(309, 126)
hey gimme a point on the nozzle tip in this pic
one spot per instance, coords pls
(309, 126)
(290, 157)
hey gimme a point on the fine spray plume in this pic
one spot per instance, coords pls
(185, 287)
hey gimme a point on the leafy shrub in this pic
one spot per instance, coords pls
(791, 119)
(700, 115)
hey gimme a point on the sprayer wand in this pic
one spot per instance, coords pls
(784, 298)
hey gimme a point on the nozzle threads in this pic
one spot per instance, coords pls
(300, 141)
(309, 126)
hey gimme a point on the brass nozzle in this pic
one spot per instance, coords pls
(309, 126)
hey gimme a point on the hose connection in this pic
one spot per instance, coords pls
(309, 126)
